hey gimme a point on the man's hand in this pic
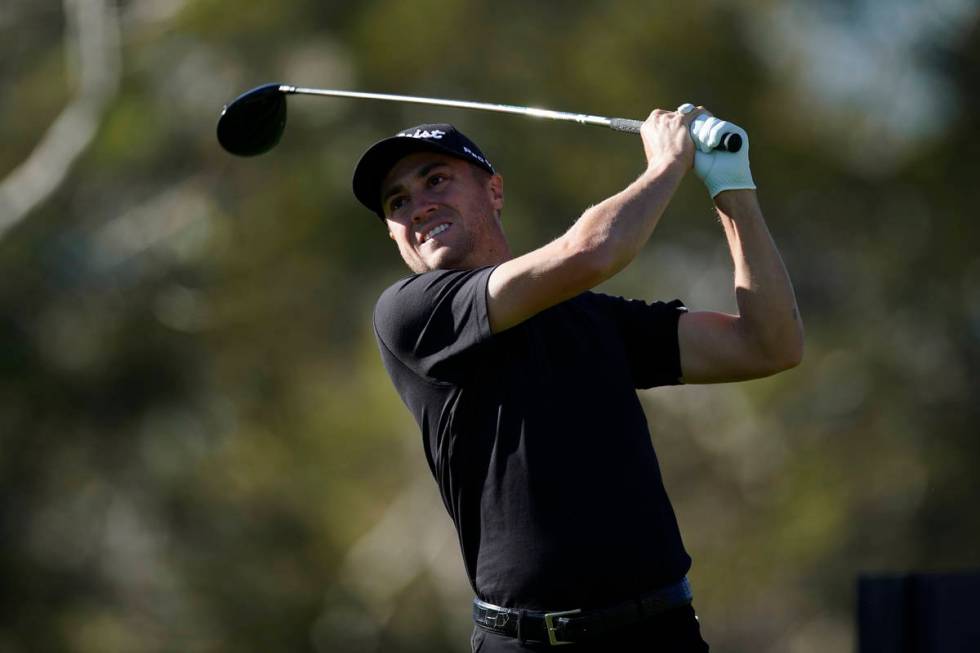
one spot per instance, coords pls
(667, 140)
(720, 170)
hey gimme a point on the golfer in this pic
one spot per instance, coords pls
(523, 381)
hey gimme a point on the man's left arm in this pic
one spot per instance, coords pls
(766, 336)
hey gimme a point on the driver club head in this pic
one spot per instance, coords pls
(253, 123)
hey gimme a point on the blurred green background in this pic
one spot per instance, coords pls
(199, 448)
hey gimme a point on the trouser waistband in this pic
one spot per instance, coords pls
(570, 626)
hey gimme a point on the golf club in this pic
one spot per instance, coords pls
(253, 123)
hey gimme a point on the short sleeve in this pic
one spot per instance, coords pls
(433, 322)
(649, 336)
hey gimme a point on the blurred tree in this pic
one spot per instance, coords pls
(199, 449)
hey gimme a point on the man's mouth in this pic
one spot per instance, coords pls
(435, 231)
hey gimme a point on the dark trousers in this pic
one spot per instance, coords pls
(673, 631)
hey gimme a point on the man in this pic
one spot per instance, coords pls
(523, 382)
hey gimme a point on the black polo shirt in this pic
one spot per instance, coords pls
(537, 438)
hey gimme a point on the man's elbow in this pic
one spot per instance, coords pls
(775, 350)
(786, 356)
(789, 361)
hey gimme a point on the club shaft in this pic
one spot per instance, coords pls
(580, 118)
(729, 142)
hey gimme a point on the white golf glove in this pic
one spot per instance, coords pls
(719, 170)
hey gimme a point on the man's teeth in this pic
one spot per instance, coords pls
(438, 230)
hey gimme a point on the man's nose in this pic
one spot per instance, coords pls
(425, 208)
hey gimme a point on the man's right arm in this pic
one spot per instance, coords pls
(604, 239)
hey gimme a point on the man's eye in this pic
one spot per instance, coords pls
(396, 204)
(435, 180)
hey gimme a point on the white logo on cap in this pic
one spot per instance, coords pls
(476, 156)
(420, 133)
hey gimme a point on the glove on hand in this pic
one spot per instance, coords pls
(720, 170)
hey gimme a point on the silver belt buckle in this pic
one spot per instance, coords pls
(549, 623)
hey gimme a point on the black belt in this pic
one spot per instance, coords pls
(570, 626)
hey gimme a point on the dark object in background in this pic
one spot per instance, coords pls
(919, 613)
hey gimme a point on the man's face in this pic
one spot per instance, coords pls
(443, 213)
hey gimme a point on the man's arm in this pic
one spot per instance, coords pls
(604, 239)
(766, 336)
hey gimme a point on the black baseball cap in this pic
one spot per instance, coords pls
(381, 157)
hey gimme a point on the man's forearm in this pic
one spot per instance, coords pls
(603, 240)
(769, 316)
(617, 228)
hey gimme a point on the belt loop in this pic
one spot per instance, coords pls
(520, 623)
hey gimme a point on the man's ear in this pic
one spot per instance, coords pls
(496, 186)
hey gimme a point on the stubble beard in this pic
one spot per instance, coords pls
(454, 257)
(467, 250)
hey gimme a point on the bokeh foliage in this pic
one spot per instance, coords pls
(199, 448)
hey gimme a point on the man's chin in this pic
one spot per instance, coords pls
(444, 259)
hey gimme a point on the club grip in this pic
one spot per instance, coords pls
(730, 142)
(625, 125)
